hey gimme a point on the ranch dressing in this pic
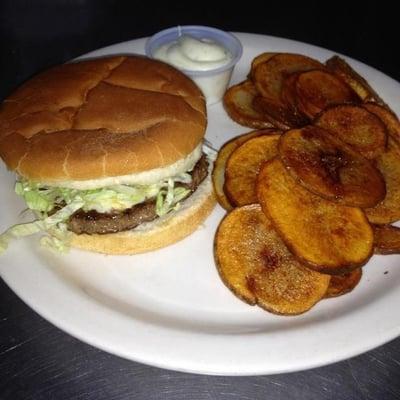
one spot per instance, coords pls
(194, 54)
(202, 60)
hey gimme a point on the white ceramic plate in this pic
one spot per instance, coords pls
(169, 308)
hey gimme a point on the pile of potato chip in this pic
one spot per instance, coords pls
(312, 194)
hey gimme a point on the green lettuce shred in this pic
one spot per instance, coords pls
(61, 203)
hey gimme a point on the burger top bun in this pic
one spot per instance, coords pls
(101, 118)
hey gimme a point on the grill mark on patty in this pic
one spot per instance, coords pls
(93, 222)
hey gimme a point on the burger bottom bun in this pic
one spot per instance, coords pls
(162, 232)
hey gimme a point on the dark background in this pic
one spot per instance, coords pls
(41, 33)
(38, 361)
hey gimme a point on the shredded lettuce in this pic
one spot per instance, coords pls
(39, 225)
(169, 198)
(54, 205)
(54, 243)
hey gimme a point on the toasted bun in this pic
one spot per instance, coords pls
(101, 118)
(160, 233)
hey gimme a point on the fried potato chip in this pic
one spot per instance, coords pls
(256, 266)
(268, 76)
(342, 284)
(356, 126)
(326, 236)
(243, 165)
(388, 117)
(218, 174)
(328, 167)
(238, 102)
(288, 93)
(388, 210)
(316, 90)
(280, 115)
(345, 72)
(258, 60)
(386, 239)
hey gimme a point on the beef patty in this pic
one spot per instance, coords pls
(91, 222)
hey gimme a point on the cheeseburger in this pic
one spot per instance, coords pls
(109, 155)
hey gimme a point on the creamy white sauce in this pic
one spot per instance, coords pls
(141, 178)
(200, 59)
(194, 54)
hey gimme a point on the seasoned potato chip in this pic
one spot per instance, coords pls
(280, 115)
(342, 284)
(328, 237)
(288, 91)
(388, 210)
(258, 60)
(256, 266)
(218, 174)
(243, 165)
(389, 118)
(386, 239)
(316, 90)
(238, 102)
(344, 71)
(356, 126)
(269, 75)
(330, 168)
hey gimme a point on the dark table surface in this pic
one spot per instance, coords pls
(37, 360)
